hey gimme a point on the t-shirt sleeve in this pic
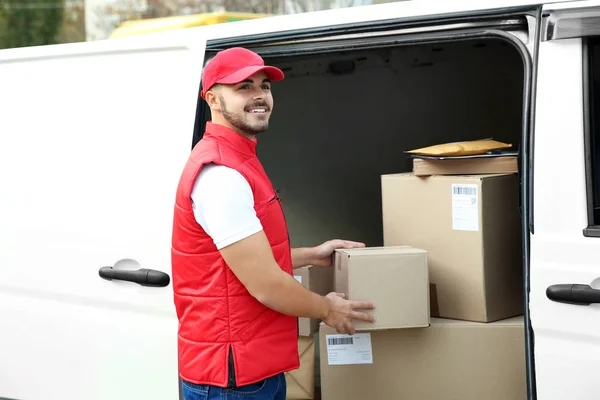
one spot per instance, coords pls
(223, 205)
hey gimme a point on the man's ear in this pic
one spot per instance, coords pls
(213, 100)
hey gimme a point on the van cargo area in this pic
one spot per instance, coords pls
(341, 120)
(335, 150)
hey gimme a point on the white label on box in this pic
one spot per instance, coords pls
(298, 278)
(347, 350)
(465, 207)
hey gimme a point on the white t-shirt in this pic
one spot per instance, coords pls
(223, 205)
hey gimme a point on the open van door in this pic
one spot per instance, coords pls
(93, 138)
(565, 245)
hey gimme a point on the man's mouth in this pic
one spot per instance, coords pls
(257, 110)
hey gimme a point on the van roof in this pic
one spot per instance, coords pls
(360, 14)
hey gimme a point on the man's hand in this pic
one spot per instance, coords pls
(342, 312)
(323, 254)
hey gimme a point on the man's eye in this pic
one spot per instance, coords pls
(244, 87)
(266, 87)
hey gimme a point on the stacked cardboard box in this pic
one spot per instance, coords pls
(395, 278)
(450, 360)
(320, 281)
(301, 383)
(470, 227)
(489, 164)
(467, 230)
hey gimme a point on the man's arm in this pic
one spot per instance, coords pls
(252, 261)
(322, 255)
(302, 256)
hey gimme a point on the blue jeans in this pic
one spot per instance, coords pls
(272, 388)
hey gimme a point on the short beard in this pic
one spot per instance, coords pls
(238, 122)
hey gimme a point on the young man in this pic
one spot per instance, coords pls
(235, 295)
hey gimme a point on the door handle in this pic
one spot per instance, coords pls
(573, 294)
(144, 277)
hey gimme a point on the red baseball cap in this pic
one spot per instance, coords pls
(234, 65)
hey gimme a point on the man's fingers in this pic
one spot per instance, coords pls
(349, 244)
(362, 305)
(352, 244)
(362, 316)
(345, 244)
(349, 328)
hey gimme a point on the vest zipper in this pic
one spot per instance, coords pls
(283, 213)
(289, 244)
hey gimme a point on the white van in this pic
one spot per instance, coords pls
(93, 137)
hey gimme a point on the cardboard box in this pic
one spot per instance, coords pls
(471, 229)
(395, 279)
(320, 281)
(301, 382)
(465, 165)
(450, 360)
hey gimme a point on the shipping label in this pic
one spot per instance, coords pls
(465, 207)
(348, 350)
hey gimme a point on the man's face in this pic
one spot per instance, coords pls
(247, 105)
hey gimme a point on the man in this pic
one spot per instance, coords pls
(235, 295)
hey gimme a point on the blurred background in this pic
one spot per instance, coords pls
(40, 22)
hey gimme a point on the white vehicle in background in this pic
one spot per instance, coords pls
(93, 137)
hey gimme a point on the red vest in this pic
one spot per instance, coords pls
(215, 310)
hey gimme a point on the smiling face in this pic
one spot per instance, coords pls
(244, 107)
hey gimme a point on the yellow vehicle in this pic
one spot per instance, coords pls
(142, 26)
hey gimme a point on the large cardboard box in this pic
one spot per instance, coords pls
(320, 281)
(471, 229)
(450, 360)
(395, 279)
(301, 382)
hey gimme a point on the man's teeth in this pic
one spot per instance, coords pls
(258, 111)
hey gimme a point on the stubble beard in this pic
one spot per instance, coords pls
(240, 122)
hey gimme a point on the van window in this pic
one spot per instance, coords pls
(593, 140)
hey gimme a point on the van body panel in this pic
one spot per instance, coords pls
(93, 142)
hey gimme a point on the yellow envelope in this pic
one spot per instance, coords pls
(301, 382)
(469, 148)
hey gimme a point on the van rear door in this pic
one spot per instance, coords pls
(565, 245)
(93, 138)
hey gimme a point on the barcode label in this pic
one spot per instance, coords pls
(337, 341)
(347, 350)
(465, 207)
(470, 191)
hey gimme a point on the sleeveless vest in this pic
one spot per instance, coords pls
(216, 313)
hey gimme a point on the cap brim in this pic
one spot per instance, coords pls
(274, 74)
